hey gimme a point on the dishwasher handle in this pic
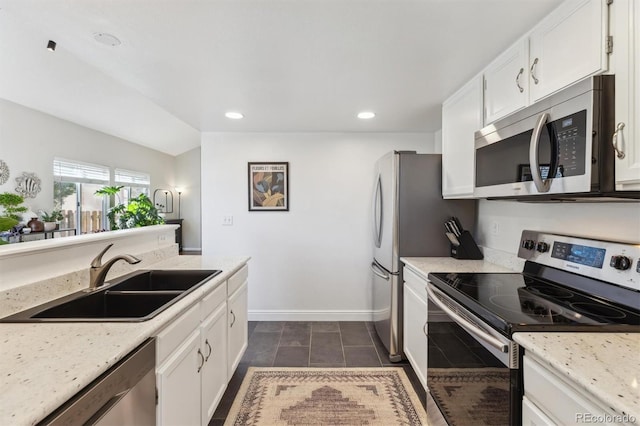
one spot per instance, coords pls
(464, 323)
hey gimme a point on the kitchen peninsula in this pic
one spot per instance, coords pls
(45, 364)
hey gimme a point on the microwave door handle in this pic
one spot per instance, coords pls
(464, 323)
(542, 185)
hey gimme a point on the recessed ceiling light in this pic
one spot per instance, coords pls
(234, 115)
(51, 46)
(107, 39)
(365, 115)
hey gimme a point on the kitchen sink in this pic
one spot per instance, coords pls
(136, 297)
(159, 280)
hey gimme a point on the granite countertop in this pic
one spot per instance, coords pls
(424, 265)
(45, 364)
(605, 366)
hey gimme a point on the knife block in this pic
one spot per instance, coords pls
(468, 249)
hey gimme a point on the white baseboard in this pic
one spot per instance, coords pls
(278, 315)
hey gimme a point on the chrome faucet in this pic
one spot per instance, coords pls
(98, 271)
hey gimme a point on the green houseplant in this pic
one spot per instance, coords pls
(139, 212)
(54, 216)
(11, 204)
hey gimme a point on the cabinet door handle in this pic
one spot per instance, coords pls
(201, 360)
(234, 319)
(206, 342)
(424, 329)
(619, 152)
(533, 67)
(520, 88)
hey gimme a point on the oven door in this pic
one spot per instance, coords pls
(472, 370)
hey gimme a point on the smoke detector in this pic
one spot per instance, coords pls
(107, 39)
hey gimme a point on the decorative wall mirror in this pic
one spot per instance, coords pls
(163, 200)
(28, 185)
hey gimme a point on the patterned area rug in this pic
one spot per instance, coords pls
(326, 396)
(481, 395)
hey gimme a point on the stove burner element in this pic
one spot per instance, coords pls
(597, 310)
(526, 305)
(556, 292)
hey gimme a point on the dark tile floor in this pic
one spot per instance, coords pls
(310, 344)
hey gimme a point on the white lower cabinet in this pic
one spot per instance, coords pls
(213, 334)
(414, 320)
(550, 399)
(197, 354)
(237, 318)
(178, 382)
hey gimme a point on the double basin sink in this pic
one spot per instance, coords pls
(135, 297)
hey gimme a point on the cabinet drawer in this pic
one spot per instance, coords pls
(211, 301)
(237, 280)
(170, 337)
(559, 400)
(416, 283)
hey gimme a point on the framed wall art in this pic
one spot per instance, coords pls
(269, 186)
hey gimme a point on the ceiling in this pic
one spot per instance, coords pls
(287, 65)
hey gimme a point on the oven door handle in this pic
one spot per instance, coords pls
(464, 323)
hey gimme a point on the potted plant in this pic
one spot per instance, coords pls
(11, 203)
(50, 219)
(139, 212)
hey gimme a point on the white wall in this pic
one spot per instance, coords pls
(188, 178)
(313, 261)
(29, 140)
(609, 221)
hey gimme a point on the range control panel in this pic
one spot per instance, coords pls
(610, 261)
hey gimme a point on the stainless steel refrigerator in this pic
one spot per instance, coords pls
(408, 221)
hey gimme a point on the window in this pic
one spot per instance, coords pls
(135, 183)
(74, 187)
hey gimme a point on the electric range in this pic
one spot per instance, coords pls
(568, 284)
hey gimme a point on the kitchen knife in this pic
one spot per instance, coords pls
(452, 238)
(458, 224)
(454, 228)
(447, 227)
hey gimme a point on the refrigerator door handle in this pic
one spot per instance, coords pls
(379, 272)
(377, 212)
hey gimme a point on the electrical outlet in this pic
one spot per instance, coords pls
(162, 239)
(495, 228)
(227, 220)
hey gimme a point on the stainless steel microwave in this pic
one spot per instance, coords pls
(555, 150)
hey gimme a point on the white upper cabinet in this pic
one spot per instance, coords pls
(567, 46)
(461, 117)
(506, 82)
(626, 15)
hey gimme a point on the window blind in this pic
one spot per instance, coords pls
(132, 178)
(75, 171)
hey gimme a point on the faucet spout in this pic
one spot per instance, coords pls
(98, 271)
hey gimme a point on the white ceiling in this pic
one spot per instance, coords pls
(287, 65)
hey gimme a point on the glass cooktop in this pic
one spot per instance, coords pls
(516, 302)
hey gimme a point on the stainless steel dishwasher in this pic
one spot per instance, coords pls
(123, 395)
